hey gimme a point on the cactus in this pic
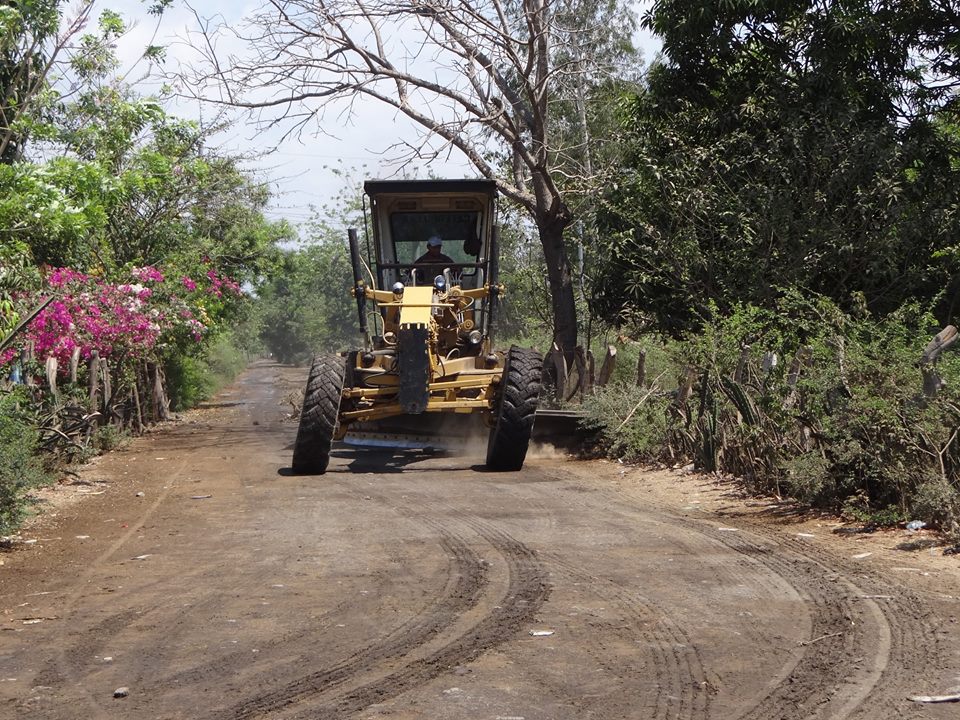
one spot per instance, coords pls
(741, 400)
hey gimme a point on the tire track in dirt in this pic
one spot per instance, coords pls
(675, 660)
(527, 591)
(293, 643)
(861, 672)
(467, 582)
(800, 690)
(843, 636)
(684, 684)
(828, 678)
(71, 666)
(92, 639)
(680, 682)
(62, 666)
(909, 648)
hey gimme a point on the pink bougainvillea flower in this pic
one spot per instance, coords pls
(147, 273)
(59, 277)
(126, 320)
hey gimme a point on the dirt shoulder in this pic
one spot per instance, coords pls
(915, 556)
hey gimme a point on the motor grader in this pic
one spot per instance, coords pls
(428, 357)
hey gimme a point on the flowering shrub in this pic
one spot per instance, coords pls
(220, 284)
(126, 320)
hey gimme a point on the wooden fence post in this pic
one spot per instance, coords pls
(591, 371)
(607, 368)
(51, 369)
(740, 375)
(93, 378)
(556, 368)
(74, 363)
(107, 388)
(800, 360)
(159, 395)
(685, 389)
(583, 380)
(137, 410)
(642, 368)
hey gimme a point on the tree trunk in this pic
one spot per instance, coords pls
(93, 379)
(560, 277)
(160, 401)
(137, 410)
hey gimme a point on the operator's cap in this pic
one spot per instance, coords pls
(434, 241)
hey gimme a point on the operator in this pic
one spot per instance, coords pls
(432, 262)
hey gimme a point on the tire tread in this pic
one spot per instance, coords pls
(318, 416)
(519, 397)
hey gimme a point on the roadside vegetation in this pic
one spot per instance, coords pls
(128, 251)
(764, 222)
(783, 230)
(802, 401)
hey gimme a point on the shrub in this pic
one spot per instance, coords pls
(631, 421)
(225, 360)
(193, 379)
(109, 437)
(189, 381)
(20, 469)
(937, 502)
(810, 402)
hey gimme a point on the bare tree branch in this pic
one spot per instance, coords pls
(482, 76)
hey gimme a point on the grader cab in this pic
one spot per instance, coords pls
(427, 295)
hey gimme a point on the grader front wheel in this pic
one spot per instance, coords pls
(516, 407)
(318, 417)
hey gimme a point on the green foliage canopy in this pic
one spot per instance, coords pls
(788, 144)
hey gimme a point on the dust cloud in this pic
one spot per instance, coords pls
(545, 451)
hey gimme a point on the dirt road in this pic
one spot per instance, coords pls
(210, 583)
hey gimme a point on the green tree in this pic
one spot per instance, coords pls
(787, 144)
(306, 306)
(17, 273)
(45, 56)
(29, 47)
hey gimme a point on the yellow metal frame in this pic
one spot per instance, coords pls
(416, 307)
(444, 397)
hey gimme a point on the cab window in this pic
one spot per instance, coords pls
(460, 232)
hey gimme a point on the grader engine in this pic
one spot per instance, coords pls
(427, 318)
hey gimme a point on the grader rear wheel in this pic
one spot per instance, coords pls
(318, 417)
(516, 407)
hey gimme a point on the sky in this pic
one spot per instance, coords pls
(301, 171)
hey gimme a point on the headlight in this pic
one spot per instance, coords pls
(475, 337)
(398, 288)
(440, 283)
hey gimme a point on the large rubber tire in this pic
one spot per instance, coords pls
(318, 416)
(516, 406)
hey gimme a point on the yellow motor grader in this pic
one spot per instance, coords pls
(428, 321)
